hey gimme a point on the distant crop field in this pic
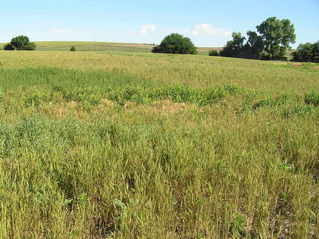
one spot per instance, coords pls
(128, 144)
(101, 46)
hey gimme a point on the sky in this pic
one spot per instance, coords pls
(206, 22)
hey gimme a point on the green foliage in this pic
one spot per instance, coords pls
(277, 35)
(270, 43)
(30, 46)
(22, 43)
(299, 110)
(73, 48)
(272, 102)
(8, 47)
(214, 53)
(253, 47)
(175, 44)
(308, 52)
(235, 46)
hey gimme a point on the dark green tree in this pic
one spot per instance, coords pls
(175, 44)
(254, 43)
(22, 43)
(73, 48)
(276, 35)
(235, 46)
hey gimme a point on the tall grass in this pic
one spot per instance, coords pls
(124, 154)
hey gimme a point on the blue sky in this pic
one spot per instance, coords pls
(206, 22)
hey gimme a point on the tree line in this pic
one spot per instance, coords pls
(270, 41)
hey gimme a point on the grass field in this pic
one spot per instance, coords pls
(137, 145)
(102, 46)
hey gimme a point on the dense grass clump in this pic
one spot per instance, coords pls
(312, 99)
(153, 147)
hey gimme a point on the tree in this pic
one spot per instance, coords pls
(276, 35)
(254, 44)
(235, 46)
(175, 44)
(22, 43)
(73, 48)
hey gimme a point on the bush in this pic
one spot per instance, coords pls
(175, 44)
(73, 48)
(22, 43)
(213, 53)
(29, 47)
(8, 47)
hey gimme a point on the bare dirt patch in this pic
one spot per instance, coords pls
(297, 64)
(158, 107)
(60, 110)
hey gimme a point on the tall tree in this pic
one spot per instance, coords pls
(235, 46)
(277, 35)
(254, 43)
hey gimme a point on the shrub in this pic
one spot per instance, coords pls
(30, 46)
(73, 48)
(175, 44)
(22, 43)
(213, 53)
(8, 47)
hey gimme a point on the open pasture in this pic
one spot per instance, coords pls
(138, 145)
(102, 47)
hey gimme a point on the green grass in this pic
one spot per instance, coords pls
(136, 145)
(93, 46)
(100, 46)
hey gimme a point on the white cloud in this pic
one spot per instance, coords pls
(209, 30)
(147, 28)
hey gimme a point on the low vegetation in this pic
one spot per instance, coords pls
(214, 52)
(122, 145)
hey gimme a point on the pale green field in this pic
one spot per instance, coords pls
(101, 46)
(138, 145)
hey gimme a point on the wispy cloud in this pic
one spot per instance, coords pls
(147, 28)
(209, 30)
